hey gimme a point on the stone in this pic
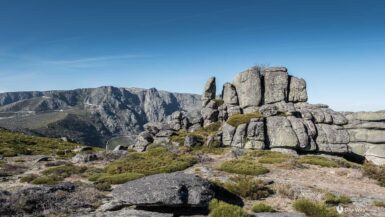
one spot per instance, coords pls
(229, 94)
(339, 119)
(209, 91)
(367, 116)
(300, 130)
(331, 134)
(239, 138)
(166, 190)
(128, 213)
(366, 125)
(285, 151)
(190, 141)
(376, 154)
(280, 132)
(318, 115)
(228, 132)
(333, 148)
(111, 206)
(145, 138)
(268, 110)
(276, 85)
(277, 214)
(84, 158)
(41, 159)
(328, 117)
(360, 148)
(367, 135)
(249, 88)
(255, 135)
(177, 115)
(297, 90)
(233, 110)
(120, 148)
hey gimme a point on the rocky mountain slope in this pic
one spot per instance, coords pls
(91, 116)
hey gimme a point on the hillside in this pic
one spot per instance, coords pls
(91, 116)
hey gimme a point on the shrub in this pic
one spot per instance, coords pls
(239, 119)
(285, 191)
(153, 161)
(378, 203)
(249, 188)
(103, 186)
(64, 171)
(208, 150)
(336, 200)
(28, 178)
(318, 160)
(313, 209)
(118, 178)
(45, 180)
(200, 134)
(222, 209)
(271, 157)
(243, 167)
(375, 172)
(261, 207)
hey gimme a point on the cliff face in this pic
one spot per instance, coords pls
(91, 116)
(268, 109)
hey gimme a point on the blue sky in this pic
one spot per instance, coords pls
(338, 46)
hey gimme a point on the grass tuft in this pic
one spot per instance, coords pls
(222, 209)
(239, 119)
(249, 188)
(261, 207)
(243, 167)
(313, 209)
(375, 172)
(332, 199)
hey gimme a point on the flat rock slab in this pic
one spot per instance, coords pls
(278, 214)
(129, 213)
(166, 190)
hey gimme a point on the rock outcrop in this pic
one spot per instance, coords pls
(281, 118)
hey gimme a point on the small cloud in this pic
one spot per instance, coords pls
(92, 59)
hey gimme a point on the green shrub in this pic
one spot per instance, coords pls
(249, 188)
(208, 150)
(200, 134)
(239, 119)
(153, 161)
(261, 207)
(271, 157)
(318, 160)
(243, 167)
(313, 209)
(64, 171)
(219, 102)
(378, 203)
(222, 209)
(103, 186)
(45, 180)
(336, 200)
(375, 172)
(13, 144)
(118, 178)
(28, 178)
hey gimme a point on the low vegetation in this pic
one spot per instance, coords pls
(53, 175)
(379, 203)
(333, 199)
(243, 167)
(248, 188)
(222, 209)
(261, 207)
(200, 134)
(314, 209)
(239, 119)
(270, 157)
(375, 172)
(327, 162)
(136, 165)
(13, 144)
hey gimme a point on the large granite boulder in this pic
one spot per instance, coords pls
(376, 154)
(280, 133)
(332, 139)
(300, 130)
(367, 116)
(128, 213)
(249, 88)
(166, 190)
(276, 85)
(239, 138)
(255, 135)
(229, 94)
(228, 132)
(367, 135)
(297, 90)
(209, 91)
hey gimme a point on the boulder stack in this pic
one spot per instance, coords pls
(274, 112)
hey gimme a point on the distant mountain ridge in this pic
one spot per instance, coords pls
(91, 116)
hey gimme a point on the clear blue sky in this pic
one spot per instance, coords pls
(338, 46)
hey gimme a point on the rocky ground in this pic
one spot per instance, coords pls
(288, 180)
